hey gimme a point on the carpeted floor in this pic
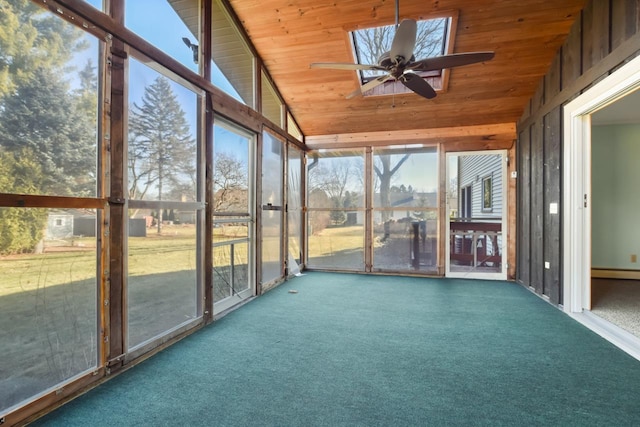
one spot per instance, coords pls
(618, 302)
(355, 350)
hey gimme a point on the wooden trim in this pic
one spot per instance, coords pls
(610, 273)
(626, 49)
(165, 204)
(117, 213)
(54, 399)
(512, 228)
(442, 211)
(52, 202)
(257, 245)
(485, 132)
(368, 203)
(116, 10)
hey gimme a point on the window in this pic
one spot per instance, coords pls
(370, 44)
(487, 194)
(174, 29)
(465, 202)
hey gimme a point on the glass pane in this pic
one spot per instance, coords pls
(162, 148)
(405, 203)
(48, 299)
(231, 258)
(95, 3)
(231, 175)
(162, 280)
(271, 241)
(336, 180)
(232, 60)
(294, 205)
(409, 244)
(272, 159)
(335, 247)
(172, 26)
(272, 201)
(405, 179)
(48, 104)
(475, 213)
(271, 105)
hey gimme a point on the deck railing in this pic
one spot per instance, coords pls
(476, 242)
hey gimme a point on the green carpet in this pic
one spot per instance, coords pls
(355, 350)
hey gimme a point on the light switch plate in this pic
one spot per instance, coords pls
(553, 208)
(547, 265)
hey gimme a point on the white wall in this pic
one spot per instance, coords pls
(615, 206)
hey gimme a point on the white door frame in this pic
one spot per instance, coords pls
(502, 275)
(577, 200)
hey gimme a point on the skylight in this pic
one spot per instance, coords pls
(370, 43)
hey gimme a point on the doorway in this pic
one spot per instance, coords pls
(595, 203)
(233, 215)
(476, 212)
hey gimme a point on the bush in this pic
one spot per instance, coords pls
(20, 228)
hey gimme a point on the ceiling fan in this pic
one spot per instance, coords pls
(400, 64)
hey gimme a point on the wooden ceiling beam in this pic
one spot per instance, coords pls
(502, 131)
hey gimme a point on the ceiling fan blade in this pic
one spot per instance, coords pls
(345, 66)
(369, 85)
(449, 61)
(418, 85)
(404, 41)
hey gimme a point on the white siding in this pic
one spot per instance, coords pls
(471, 171)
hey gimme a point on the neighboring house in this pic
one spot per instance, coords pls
(59, 225)
(480, 186)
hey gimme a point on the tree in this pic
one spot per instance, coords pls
(373, 42)
(230, 183)
(385, 171)
(43, 116)
(161, 146)
(32, 38)
(21, 229)
(333, 180)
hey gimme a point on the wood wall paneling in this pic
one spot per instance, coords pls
(552, 221)
(604, 36)
(626, 16)
(553, 79)
(524, 207)
(572, 54)
(538, 97)
(596, 25)
(537, 207)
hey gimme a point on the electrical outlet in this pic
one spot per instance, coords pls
(547, 265)
(634, 258)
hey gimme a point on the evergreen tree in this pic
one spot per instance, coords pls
(161, 147)
(21, 229)
(43, 116)
(32, 38)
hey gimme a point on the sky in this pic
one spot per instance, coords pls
(170, 41)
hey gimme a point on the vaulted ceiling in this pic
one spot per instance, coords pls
(291, 34)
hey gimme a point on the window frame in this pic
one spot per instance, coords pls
(487, 179)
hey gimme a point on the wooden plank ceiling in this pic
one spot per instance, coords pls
(291, 34)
